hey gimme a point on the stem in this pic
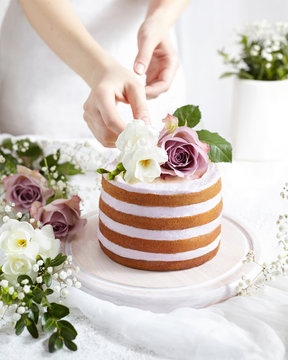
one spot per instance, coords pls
(48, 172)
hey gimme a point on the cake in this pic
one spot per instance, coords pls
(161, 226)
(164, 212)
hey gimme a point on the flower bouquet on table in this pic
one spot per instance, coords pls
(38, 210)
(260, 91)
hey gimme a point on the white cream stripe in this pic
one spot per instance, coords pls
(141, 255)
(160, 211)
(172, 186)
(169, 235)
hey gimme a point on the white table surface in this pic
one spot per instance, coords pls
(251, 194)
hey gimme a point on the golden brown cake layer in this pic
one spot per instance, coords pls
(158, 246)
(143, 222)
(160, 265)
(160, 200)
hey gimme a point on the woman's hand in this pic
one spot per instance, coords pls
(113, 83)
(157, 56)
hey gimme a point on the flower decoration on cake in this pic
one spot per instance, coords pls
(178, 151)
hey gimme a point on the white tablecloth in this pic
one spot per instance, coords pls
(241, 328)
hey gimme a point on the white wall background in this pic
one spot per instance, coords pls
(206, 26)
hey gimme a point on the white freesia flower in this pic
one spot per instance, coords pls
(140, 155)
(48, 245)
(15, 265)
(17, 237)
(135, 132)
(143, 163)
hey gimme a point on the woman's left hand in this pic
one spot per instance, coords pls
(156, 58)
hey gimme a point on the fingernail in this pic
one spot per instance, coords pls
(139, 68)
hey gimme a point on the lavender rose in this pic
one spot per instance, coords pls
(187, 155)
(25, 188)
(62, 214)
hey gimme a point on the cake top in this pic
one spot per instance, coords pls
(171, 184)
(176, 154)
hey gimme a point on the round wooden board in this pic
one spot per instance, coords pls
(209, 283)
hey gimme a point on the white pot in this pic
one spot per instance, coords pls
(260, 120)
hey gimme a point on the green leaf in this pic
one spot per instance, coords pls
(33, 152)
(220, 149)
(68, 169)
(47, 279)
(20, 326)
(67, 329)
(58, 260)
(50, 324)
(47, 262)
(59, 311)
(31, 327)
(52, 342)
(70, 345)
(9, 166)
(35, 312)
(227, 74)
(20, 278)
(102, 171)
(120, 167)
(189, 115)
(37, 295)
(48, 292)
(7, 144)
(59, 343)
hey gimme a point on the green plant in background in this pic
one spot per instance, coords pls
(263, 53)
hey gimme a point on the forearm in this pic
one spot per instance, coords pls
(59, 26)
(166, 10)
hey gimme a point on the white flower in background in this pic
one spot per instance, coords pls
(18, 238)
(15, 265)
(140, 155)
(48, 245)
(143, 163)
(135, 132)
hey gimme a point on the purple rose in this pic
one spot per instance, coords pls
(26, 187)
(62, 214)
(187, 155)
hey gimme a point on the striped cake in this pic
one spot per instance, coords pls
(170, 224)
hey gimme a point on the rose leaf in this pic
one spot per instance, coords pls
(188, 115)
(220, 149)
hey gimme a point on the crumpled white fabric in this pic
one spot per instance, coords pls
(240, 328)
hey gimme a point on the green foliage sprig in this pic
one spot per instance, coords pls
(30, 154)
(34, 310)
(263, 53)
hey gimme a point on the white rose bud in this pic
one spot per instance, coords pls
(21, 295)
(4, 283)
(64, 292)
(26, 289)
(11, 290)
(69, 282)
(55, 276)
(21, 310)
(78, 285)
(39, 279)
(16, 317)
(69, 272)
(40, 262)
(63, 275)
(35, 268)
(50, 270)
(57, 289)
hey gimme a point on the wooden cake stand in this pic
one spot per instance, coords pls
(198, 287)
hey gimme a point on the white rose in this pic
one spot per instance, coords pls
(143, 163)
(18, 237)
(48, 245)
(17, 264)
(136, 131)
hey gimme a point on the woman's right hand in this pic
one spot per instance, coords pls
(113, 83)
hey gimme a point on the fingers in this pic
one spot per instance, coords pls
(146, 47)
(106, 136)
(162, 83)
(136, 97)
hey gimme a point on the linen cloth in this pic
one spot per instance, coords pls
(253, 327)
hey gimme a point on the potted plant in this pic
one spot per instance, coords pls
(260, 105)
